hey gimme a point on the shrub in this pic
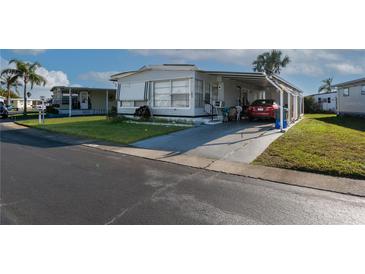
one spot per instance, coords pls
(143, 112)
(310, 105)
(113, 112)
(51, 110)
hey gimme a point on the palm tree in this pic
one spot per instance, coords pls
(28, 74)
(270, 62)
(327, 85)
(9, 79)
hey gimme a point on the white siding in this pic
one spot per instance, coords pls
(352, 104)
(324, 101)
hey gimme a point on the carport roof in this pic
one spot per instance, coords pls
(256, 78)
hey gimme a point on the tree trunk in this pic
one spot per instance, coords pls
(8, 99)
(25, 98)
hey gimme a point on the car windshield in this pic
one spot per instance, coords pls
(263, 102)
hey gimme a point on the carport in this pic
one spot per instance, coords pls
(238, 86)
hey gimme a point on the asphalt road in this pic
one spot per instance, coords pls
(47, 182)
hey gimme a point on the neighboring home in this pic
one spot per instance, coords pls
(18, 103)
(82, 100)
(186, 92)
(351, 97)
(326, 101)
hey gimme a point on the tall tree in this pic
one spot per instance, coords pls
(270, 62)
(27, 72)
(326, 86)
(9, 80)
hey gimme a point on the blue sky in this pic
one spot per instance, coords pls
(92, 68)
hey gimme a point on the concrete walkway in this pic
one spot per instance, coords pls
(234, 141)
(284, 176)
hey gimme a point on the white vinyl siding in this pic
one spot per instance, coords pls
(127, 104)
(199, 93)
(132, 104)
(172, 93)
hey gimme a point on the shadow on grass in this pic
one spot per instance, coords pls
(356, 123)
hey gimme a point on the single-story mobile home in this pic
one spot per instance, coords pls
(82, 100)
(351, 97)
(18, 103)
(185, 92)
(327, 101)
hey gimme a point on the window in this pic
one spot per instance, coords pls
(319, 100)
(363, 90)
(346, 92)
(198, 93)
(66, 96)
(162, 94)
(329, 100)
(172, 93)
(207, 93)
(180, 93)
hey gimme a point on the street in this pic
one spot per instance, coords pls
(48, 182)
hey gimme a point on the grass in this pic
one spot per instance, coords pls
(321, 143)
(99, 127)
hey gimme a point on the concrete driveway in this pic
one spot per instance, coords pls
(234, 141)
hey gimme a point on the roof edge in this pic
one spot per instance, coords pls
(351, 82)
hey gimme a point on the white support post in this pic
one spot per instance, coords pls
(43, 110)
(296, 107)
(106, 102)
(69, 102)
(281, 111)
(289, 107)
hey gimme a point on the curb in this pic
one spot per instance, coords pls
(340, 185)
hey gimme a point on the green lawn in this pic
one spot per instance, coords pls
(98, 127)
(321, 143)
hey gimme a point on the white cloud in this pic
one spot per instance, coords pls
(53, 78)
(232, 56)
(97, 76)
(28, 51)
(308, 62)
(346, 68)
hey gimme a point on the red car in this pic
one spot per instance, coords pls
(262, 109)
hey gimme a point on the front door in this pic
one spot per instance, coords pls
(84, 100)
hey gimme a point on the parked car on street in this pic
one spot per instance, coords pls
(262, 109)
(3, 110)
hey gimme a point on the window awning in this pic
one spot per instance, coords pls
(132, 91)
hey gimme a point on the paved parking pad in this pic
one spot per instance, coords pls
(234, 141)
